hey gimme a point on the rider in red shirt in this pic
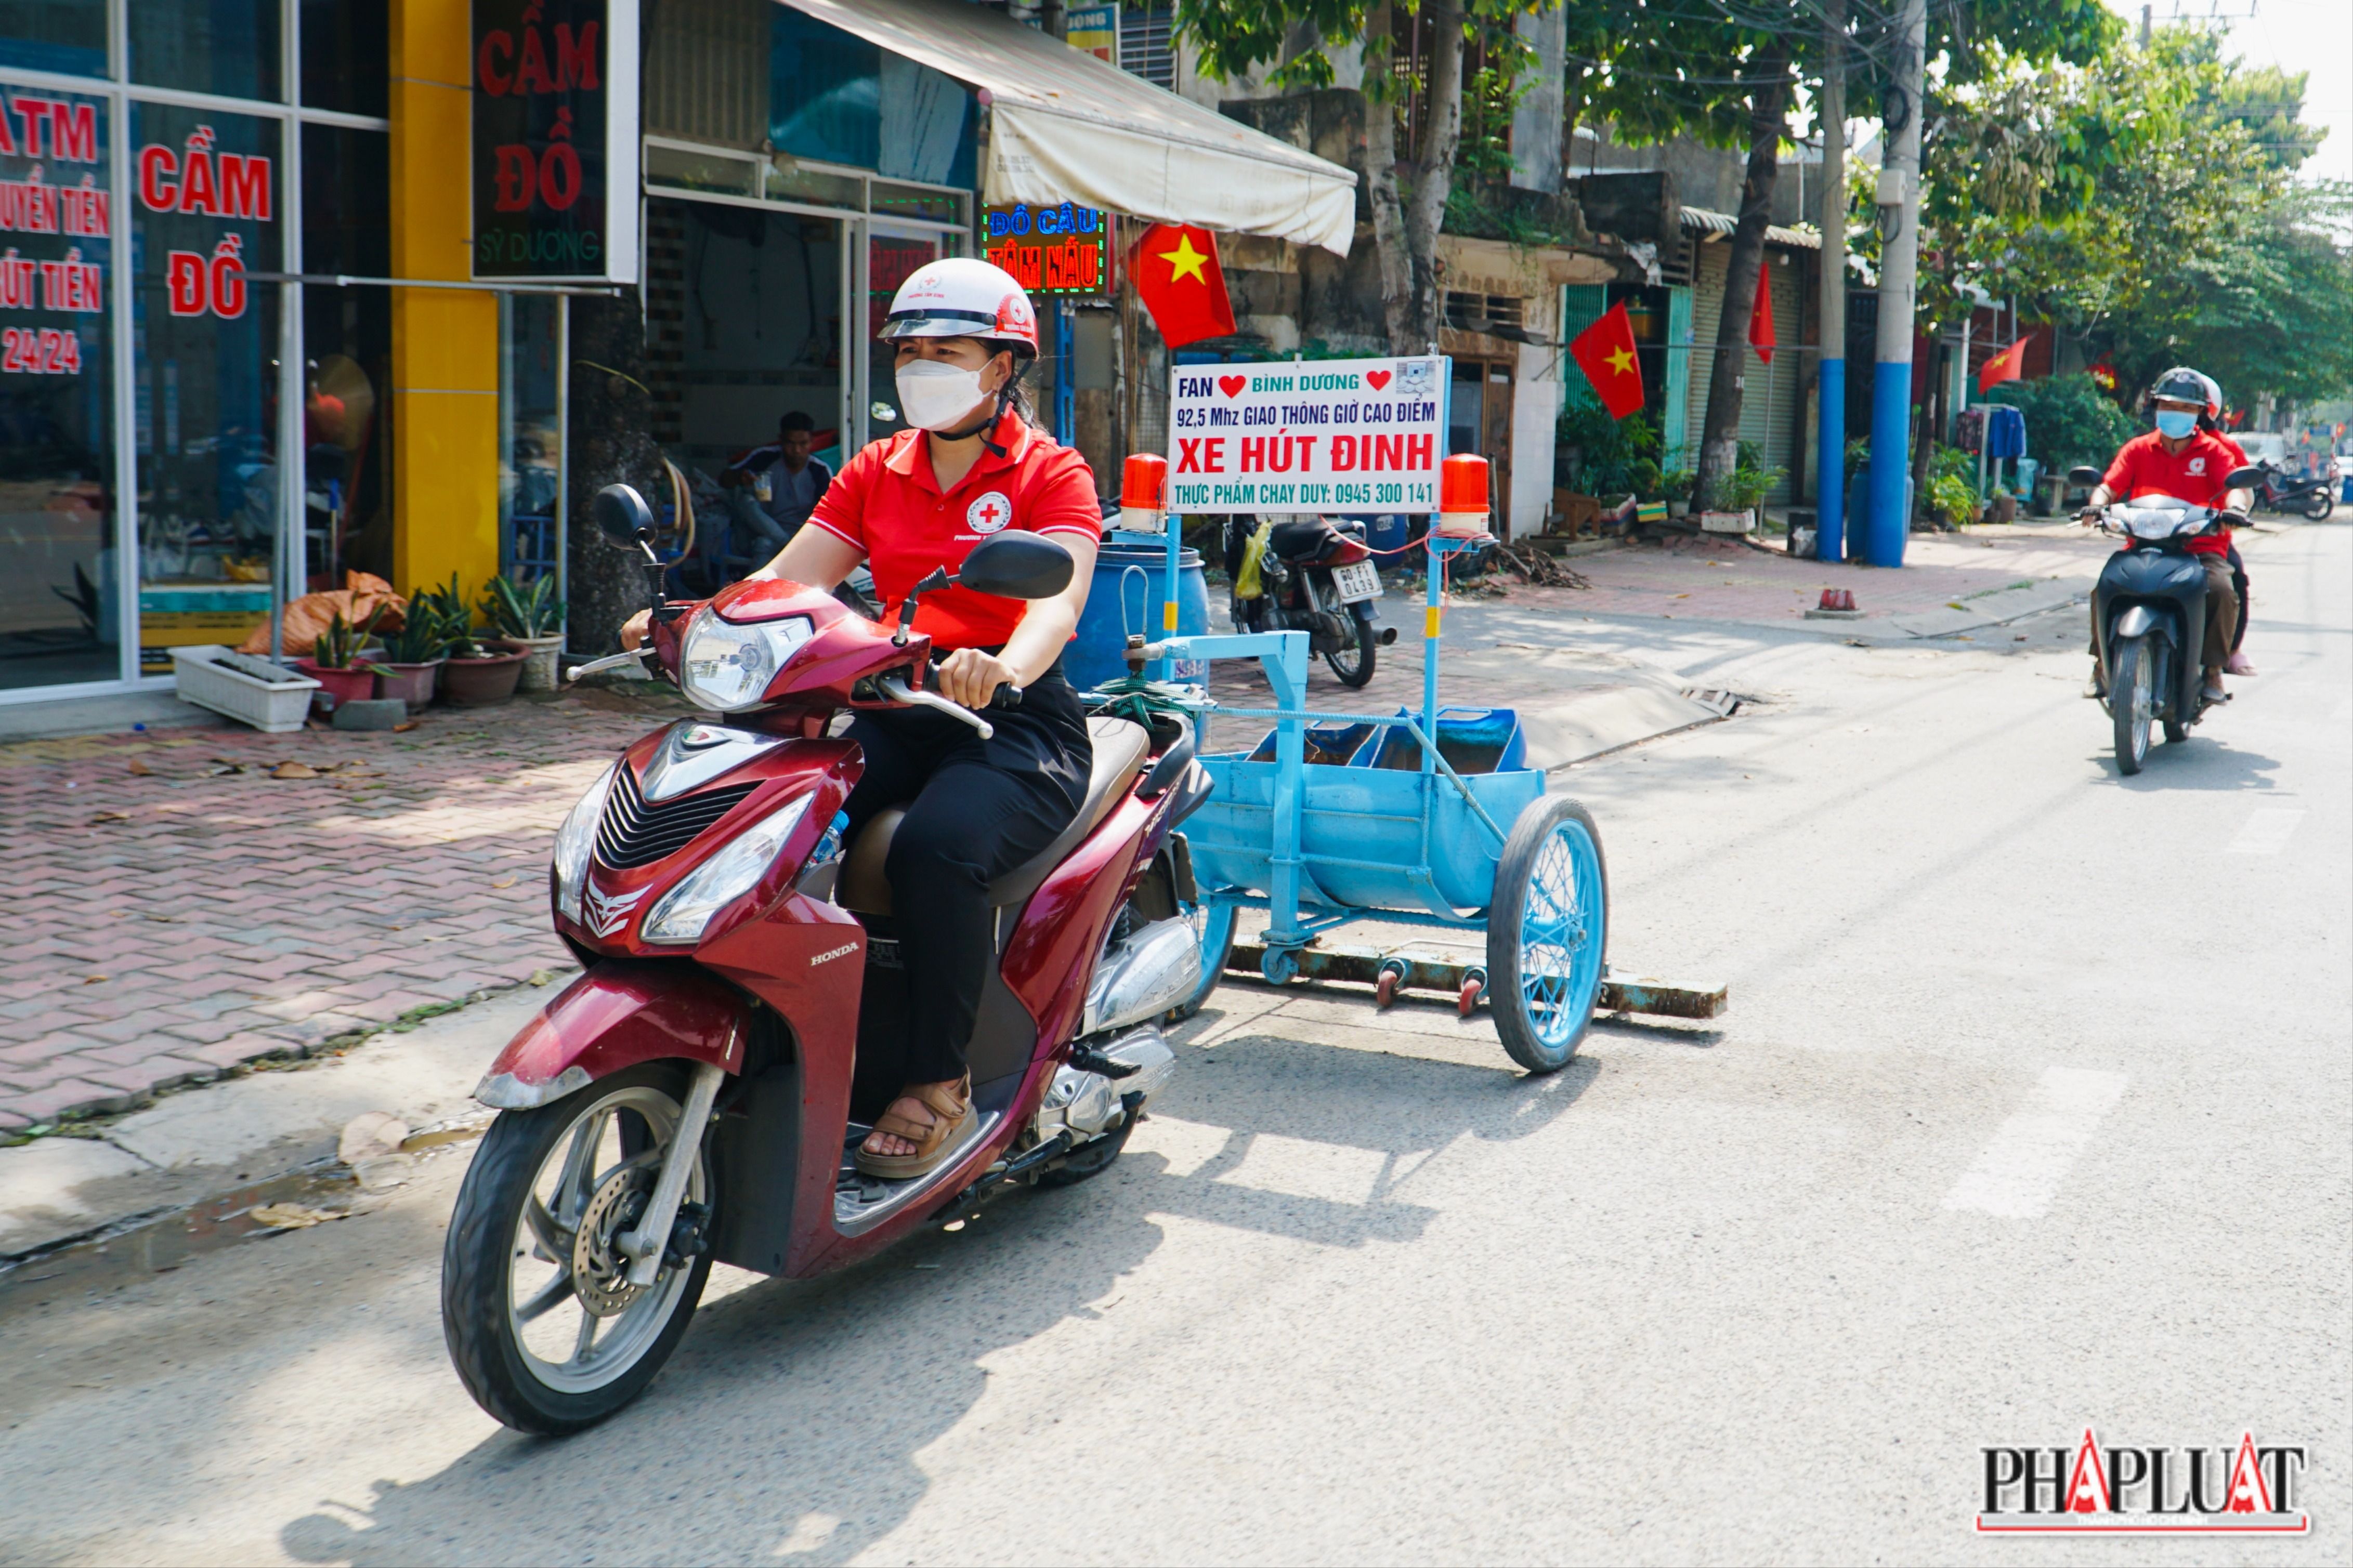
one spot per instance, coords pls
(2187, 457)
(968, 466)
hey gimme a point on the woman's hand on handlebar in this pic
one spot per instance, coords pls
(634, 629)
(971, 677)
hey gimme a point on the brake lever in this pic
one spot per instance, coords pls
(898, 691)
(610, 661)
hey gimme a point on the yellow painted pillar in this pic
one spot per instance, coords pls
(445, 341)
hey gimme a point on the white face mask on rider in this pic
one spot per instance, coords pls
(934, 396)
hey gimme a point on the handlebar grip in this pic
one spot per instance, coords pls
(1007, 697)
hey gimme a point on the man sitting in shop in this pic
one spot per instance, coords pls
(772, 490)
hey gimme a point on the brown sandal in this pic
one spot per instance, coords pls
(951, 1117)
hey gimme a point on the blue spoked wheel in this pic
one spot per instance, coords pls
(1546, 932)
(1213, 924)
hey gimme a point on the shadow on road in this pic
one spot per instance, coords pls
(793, 1422)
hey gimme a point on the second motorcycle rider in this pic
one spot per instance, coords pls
(970, 466)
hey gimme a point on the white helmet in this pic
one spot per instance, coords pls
(964, 296)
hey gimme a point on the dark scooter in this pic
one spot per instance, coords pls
(696, 1093)
(1315, 576)
(2149, 612)
(2278, 490)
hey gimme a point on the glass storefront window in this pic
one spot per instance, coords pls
(838, 98)
(205, 208)
(60, 599)
(225, 47)
(68, 37)
(531, 438)
(904, 201)
(890, 258)
(344, 48)
(736, 176)
(347, 344)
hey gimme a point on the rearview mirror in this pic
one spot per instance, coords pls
(2245, 478)
(2084, 475)
(1017, 566)
(623, 517)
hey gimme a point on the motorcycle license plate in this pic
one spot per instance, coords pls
(1355, 581)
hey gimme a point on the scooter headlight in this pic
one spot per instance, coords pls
(687, 908)
(724, 667)
(573, 840)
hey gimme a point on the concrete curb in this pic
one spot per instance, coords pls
(249, 1131)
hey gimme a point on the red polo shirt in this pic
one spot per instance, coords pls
(2194, 474)
(887, 502)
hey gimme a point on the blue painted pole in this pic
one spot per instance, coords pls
(1891, 463)
(1830, 463)
(1899, 267)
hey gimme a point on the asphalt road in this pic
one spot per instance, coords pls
(2031, 1114)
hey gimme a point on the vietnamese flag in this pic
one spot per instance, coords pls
(1605, 352)
(1178, 280)
(2007, 365)
(1761, 318)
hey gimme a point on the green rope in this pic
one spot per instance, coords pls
(1136, 698)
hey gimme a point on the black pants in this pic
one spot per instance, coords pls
(2239, 584)
(975, 809)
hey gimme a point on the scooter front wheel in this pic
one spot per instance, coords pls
(542, 1324)
(2132, 701)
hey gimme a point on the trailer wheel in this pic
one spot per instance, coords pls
(1547, 931)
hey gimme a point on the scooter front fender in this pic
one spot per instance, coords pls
(620, 1013)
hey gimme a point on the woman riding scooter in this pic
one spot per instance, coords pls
(969, 466)
(2187, 456)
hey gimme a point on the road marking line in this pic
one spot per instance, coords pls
(2268, 831)
(2020, 1171)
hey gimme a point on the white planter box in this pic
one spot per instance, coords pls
(251, 691)
(1727, 522)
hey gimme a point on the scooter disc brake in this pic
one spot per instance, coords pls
(600, 1269)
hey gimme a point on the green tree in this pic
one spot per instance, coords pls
(1408, 201)
(1724, 72)
(2144, 201)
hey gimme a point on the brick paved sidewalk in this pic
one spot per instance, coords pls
(171, 919)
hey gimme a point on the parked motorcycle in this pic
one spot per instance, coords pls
(2278, 490)
(1316, 576)
(2148, 613)
(697, 1094)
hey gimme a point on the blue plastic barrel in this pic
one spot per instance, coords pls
(1122, 600)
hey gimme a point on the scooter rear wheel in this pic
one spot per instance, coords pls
(1354, 664)
(2132, 701)
(2318, 506)
(542, 1325)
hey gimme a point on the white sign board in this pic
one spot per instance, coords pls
(1350, 434)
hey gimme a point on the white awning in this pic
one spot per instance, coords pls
(1066, 126)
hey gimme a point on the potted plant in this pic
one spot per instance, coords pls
(473, 676)
(528, 619)
(335, 663)
(413, 654)
(1678, 484)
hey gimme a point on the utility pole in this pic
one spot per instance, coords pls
(1899, 267)
(1829, 386)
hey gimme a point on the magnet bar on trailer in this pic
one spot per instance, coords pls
(1621, 993)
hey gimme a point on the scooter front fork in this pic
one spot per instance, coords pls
(644, 1246)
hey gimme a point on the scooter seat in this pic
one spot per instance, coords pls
(1303, 538)
(1121, 749)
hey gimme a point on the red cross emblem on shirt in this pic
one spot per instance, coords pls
(989, 513)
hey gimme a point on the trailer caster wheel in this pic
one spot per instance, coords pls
(1474, 983)
(1385, 989)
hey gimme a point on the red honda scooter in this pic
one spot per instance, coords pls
(697, 1094)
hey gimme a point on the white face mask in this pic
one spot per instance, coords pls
(935, 395)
